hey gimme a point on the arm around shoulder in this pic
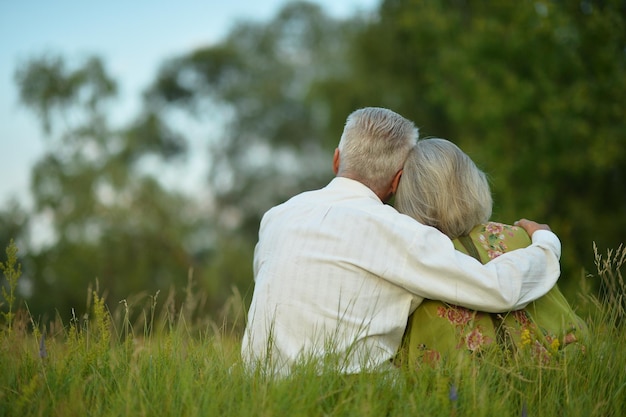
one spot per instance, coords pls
(541, 235)
(537, 267)
(547, 239)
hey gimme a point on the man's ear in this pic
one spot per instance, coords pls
(395, 182)
(336, 161)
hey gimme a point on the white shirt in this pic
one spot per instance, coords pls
(337, 271)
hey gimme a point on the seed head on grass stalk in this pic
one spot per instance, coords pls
(12, 271)
(613, 287)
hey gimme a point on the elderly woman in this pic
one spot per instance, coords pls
(442, 187)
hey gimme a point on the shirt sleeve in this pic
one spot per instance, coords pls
(509, 282)
(543, 270)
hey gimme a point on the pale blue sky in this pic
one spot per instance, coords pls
(132, 37)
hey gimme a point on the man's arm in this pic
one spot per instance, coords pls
(437, 271)
(539, 263)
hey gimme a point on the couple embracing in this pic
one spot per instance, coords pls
(340, 272)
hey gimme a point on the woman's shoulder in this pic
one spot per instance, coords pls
(492, 239)
(498, 229)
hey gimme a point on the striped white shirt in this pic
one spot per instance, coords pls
(337, 271)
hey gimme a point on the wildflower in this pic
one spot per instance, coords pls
(525, 337)
(570, 338)
(540, 352)
(42, 347)
(454, 395)
(554, 344)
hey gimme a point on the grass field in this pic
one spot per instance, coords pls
(164, 363)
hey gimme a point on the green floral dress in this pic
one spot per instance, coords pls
(437, 330)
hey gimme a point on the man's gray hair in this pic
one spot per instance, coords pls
(374, 145)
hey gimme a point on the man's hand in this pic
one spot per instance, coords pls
(531, 226)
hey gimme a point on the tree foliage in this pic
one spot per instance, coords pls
(260, 78)
(111, 222)
(534, 91)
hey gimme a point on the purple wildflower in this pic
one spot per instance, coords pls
(454, 395)
(42, 347)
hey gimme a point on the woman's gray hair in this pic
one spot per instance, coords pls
(442, 187)
(374, 145)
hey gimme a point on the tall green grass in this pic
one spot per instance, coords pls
(170, 362)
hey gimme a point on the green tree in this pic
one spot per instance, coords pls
(110, 221)
(534, 91)
(258, 84)
(14, 221)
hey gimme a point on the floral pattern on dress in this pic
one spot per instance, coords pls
(522, 317)
(534, 333)
(459, 316)
(475, 340)
(492, 237)
(516, 332)
(471, 336)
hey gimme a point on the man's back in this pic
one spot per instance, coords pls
(318, 288)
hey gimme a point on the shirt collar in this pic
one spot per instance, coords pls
(353, 186)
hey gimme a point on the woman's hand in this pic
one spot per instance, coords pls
(531, 226)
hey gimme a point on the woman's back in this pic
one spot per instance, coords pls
(545, 327)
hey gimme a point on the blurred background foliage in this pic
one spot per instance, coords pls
(533, 91)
